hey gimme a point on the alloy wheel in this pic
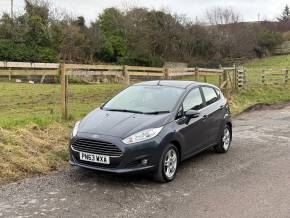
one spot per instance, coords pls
(170, 163)
(226, 139)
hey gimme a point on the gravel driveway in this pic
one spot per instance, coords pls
(252, 180)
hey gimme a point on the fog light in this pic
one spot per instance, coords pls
(144, 162)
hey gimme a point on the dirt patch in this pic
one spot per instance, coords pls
(266, 106)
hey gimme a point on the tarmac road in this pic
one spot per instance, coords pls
(252, 180)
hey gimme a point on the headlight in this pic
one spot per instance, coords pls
(76, 128)
(142, 136)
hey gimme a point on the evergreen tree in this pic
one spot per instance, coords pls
(285, 15)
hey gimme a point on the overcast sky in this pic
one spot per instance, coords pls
(249, 9)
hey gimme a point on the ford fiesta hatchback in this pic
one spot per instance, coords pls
(152, 127)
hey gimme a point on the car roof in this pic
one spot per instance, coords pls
(173, 83)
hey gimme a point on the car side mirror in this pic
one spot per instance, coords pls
(191, 114)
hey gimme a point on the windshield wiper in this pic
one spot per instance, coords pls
(158, 112)
(124, 110)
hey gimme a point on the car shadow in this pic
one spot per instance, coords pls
(87, 175)
(197, 158)
(83, 175)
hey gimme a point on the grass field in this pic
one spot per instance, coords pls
(282, 61)
(22, 104)
(33, 138)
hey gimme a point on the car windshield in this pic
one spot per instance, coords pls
(145, 99)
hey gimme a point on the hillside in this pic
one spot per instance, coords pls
(281, 61)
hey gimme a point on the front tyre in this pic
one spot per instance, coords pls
(168, 164)
(225, 143)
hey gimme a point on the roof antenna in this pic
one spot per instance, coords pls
(159, 83)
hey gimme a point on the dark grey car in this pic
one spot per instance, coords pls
(152, 127)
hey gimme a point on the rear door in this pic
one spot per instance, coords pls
(193, 132)
(213, 112)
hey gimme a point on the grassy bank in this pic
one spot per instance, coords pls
(259, 95)
(32, 150)
(281, 61)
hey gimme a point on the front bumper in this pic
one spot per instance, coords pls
(114, 170)
(129, 162)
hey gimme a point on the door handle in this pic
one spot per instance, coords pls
(205, 117)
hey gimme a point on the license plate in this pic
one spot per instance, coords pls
(95, 158)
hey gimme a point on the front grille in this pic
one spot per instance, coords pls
(96, 147)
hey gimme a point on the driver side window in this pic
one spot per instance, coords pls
(193, 100)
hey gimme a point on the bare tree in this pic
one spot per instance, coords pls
(222, 16)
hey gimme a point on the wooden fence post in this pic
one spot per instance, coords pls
(196, 75)
(225, 76)
(235, 80)
(221, 77)
(286, 75)
(126, 75)
(225, 79)
(64, 83)
(220, 80)
(166, 73)
(9, 77)
(42, 79)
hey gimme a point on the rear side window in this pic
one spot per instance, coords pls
(210, 95)
(193, 100)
